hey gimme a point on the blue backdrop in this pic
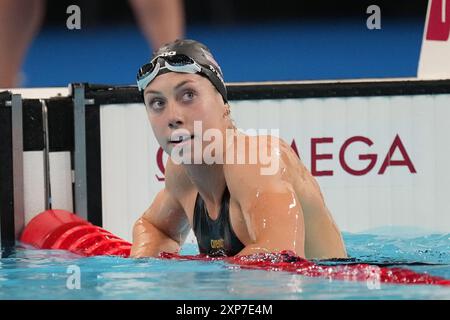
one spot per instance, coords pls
(331, 49)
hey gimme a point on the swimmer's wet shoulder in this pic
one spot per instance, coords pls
(269, 206)
(284, 210)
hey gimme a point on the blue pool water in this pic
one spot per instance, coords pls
(42, 274)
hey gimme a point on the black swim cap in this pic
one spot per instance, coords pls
(200, 54)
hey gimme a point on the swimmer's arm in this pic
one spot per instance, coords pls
(272, 212)
(162, 228)
(274, 221)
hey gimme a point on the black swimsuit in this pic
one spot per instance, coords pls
(215, 237)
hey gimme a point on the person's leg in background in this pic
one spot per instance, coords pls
(161, 21)
(20, 20)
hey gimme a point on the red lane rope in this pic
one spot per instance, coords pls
(58, 229)
(288, 262)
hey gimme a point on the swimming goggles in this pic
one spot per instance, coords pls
(175, 63)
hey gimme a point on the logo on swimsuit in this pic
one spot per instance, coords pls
(217, 244)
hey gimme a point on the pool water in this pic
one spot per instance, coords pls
(26, 273)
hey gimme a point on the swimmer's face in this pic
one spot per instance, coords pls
(175, 100)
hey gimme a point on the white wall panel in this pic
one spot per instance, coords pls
(34, 182)
(396, 197)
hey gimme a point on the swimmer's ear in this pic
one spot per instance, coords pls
(227, 110)
(226, 115)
